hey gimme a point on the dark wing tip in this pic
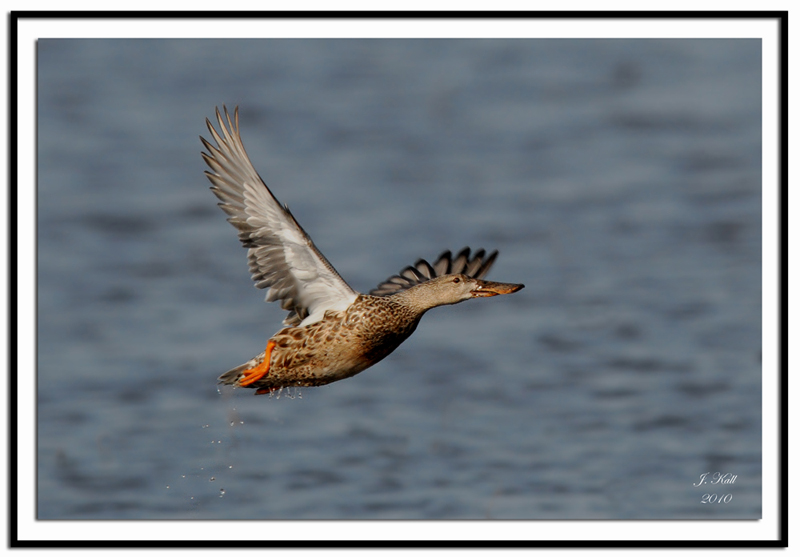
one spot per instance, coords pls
(476, 267)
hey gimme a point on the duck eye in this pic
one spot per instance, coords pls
(456, 279)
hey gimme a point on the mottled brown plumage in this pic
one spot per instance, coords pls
(333, 332)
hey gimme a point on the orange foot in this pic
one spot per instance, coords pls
(257, 373)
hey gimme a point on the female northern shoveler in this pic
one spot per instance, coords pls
(333, 332)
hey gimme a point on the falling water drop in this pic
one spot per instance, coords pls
(221, 492)
(212, 479)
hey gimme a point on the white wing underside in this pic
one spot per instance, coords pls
(282, 257)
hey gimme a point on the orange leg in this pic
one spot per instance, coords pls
(257, 373)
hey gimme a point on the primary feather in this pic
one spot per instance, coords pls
(282, 257)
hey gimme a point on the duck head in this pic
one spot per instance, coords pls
(453, 289)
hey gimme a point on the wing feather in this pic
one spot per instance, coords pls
(282, 257)
(421, 271)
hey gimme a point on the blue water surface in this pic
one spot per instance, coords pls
(619, 179)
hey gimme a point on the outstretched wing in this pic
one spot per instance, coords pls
(281, 255)
(477, 267)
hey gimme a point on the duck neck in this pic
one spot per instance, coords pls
(417, 299)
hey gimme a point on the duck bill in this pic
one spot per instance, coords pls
(486, 288)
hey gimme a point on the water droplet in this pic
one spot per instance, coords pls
(205, 426)
(232, 423)
(231, 466)
(167, 487)
(212, 479)
(221, 492)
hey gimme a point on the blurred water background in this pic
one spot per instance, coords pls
(620, 180)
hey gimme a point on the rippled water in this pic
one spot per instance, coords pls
(620, 181)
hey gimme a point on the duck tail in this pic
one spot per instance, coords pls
(233, 376)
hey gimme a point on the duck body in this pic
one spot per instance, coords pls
(332, 332)
(339, 346)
